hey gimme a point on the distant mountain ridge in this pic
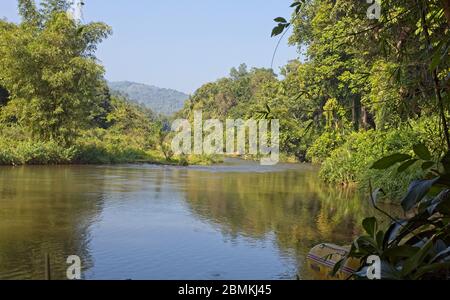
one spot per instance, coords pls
(159, 100)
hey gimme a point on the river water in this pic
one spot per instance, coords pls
(237, 220)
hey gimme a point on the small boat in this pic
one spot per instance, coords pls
(322, 259)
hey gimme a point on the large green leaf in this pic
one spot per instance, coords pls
(406, 165)
(441, 203)
(414, 262)
(389, 161)
(393, 231)
(444, 255)
(433, 268)
(380, 238)
(278, 29)
(417, 190)
(422, 151)
(426, 165)
(366, 245)
(418, 222)
(401, 251)
(280, 20)
(298, 5)
(370, 226)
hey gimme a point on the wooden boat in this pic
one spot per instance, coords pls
(322, 259)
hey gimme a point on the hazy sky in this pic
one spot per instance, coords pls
(185, 43)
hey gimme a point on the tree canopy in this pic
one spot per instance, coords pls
(48, 66)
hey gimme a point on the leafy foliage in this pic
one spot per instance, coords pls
(55, 105)
(417, 247)
(48, 66)
(385, 72)
(365, 79)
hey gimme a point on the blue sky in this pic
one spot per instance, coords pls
(186, 43)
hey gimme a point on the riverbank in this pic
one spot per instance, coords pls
(108, 151)
(29, 152)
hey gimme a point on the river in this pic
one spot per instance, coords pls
(237, 220)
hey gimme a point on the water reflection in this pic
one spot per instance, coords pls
(39, 215)
(234, 221)
(292, 205)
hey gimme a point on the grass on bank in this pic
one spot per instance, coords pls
(88, 150)
(349, 162)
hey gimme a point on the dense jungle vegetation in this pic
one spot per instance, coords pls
(382, 84)
(368, 102)
(364, 88)
(55, 105)
(367, 88)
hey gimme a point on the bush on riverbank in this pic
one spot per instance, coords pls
(350, 163)
(51, 153)
(32, 152)
(89, 151)
(322, 147)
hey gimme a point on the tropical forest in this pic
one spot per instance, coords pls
(364, 142)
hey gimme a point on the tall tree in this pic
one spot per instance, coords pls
(51, 72)
(49, 7)
(376, 66)
(29, 12)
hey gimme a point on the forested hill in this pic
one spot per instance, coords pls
(159, 100)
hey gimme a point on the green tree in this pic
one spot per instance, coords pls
(50, 70)
(49, 7)
(29, 12)
(132, 123)
(396, 66)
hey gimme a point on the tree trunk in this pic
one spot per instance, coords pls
(356, 112)
(446, 6)
(437, 89)
(365, 123)
(4, 96)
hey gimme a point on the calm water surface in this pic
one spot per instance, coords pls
(238, 220)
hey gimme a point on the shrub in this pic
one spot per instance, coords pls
(324, 145)
(85, 151)
(34, 153)
(93, 150)
(350, 163)
(415, 247)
